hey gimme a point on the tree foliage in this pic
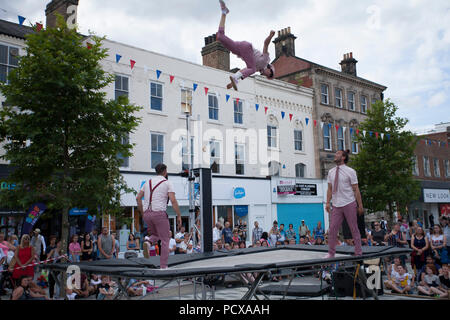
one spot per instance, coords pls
(60, 134)
(384, 166)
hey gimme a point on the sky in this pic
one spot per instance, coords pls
(402, 44)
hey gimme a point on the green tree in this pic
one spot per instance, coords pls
(384, 165)
(60, 133)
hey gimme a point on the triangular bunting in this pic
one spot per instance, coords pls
(158, 73)
(307, 120)
(265, 110)
(21, 20)
(118, 56)
(171, 79)
(227, 97)
(364, 133)
(195, 86)
(376, 134)
(206, 90)
(237, 101)
(132, 63)
(257, 106)
(89, 45)
(290, 116)
(321, 125)
(337, 127)
(351, 131)
(282, 114)
(39, 26)
(382, 136)
(315, 123)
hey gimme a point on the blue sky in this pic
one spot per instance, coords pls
(402, 44)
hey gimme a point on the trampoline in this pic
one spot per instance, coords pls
(206, 267)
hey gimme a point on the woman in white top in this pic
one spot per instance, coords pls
(438, 244)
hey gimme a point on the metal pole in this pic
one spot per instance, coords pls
(191, 175)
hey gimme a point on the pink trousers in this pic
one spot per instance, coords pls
(348, 212)
(242, 49)
(158, 224)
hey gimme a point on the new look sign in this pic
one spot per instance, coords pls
(436, 195)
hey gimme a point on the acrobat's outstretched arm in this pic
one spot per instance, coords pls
(267, 41)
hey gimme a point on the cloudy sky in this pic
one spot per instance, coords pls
(402, 44)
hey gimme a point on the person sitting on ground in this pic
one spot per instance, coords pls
(292, 242)
(105, 289)
(403, 282)
(24, 291)
(184, 245)
(290, 233)
(85, 289)
(258, 243)
(219, 244)
(236, 237)
(264, 243)
(242, 245)
(392, 272)
(421, 273)
(430, 280)
(136, 288)
(444, 288)
(286, 242)
(235, 245)
(94, 283)
(318, 242)
(227, 247)
(278, 243)
(264, 236)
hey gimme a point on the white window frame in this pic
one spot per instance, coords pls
(8, 64)
(184, 97)
(157, 97)
(296, 140)
(363, 105)
(216, 99)
(354, 143)
(303, 167)
(239, 111)
(272, 140)
(157, 147)
(351, 102)
(237, 160)
(339, 139)
(217, 151)
(326, 95)
(437, 168)
(447, 168)
(125, 140)
(426, 167)
(326, 137)
(340, 99)
(121, 86)
(415, 170)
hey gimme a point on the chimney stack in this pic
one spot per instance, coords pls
(66, 8)
(284, 43)
(215, 55)
(348, 64)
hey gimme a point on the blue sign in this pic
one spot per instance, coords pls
(241, 211)
(239, 193)
(78, 212)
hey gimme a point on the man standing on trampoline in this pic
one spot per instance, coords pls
(253, 58)
(344, 192)
(156, 193)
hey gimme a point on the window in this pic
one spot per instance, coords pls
(374, 100)
(121, 86)
(238, 114)
(214, 156)
(125, 160)
(156, 97)
(298, 141)
(271, 137)
(338, 94)
(239, 151)
(351, 101)
(299, 170)
(326, 137)
(157, 149)
(186, 101)
(426, 166)
(415, 168)
(354, 143)
(185, 156)
(213, 105)
(340, 139)
(363, 104)
(437, 169)
(8, 61)
(447, 168)
(324, 94)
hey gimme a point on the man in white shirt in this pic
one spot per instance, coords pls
(156, 193)
(217, 234)
(347, 203)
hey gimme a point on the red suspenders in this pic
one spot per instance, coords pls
(151, 191)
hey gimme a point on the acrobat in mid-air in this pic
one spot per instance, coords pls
(254, 59)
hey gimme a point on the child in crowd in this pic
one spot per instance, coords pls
(105, 289)
(430, 281)
(74, 249)
(402, 281)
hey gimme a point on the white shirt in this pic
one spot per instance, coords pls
(216, 234)
(160, 194)
(344, 194)
(172, 243)
(178, 236)
(184, 245)
(2, 254)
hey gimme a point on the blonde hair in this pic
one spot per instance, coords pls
(23, 240)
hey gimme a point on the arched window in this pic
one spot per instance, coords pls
(300, 170)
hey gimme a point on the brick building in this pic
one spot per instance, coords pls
(432, 169)
(341, 98)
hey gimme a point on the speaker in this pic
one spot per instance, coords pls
(344, 284)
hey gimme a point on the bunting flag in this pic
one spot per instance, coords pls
(290, 116)
(21, 20)
(357, 132)
(337, 127)
(265, 110)
(321, 125)
(382, 136)
(39, 26)
(206, 90)
(370, 133)
(118, 56)
(132, 63)
(351, 131)
(364, 133)
(195, 86)
(307, 120)
(388, 136)
(227, 97)
(171, 79)
(329, 126)
(237, 101)
(89, 45)
(315, 123)
(158, 74)
(257, 106)
(376, 134)
(282, 114)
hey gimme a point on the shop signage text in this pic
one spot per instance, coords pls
(436, 195)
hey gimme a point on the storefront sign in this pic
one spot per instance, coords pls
(302, 189)
(241, 211)
(7, 186)
(239, 193)
(286, 189)
(78, 212)
(436, 195)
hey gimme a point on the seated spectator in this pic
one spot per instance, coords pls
(227, 246)
(215, 248)
(429, 260)
(292, 241)
(264, 236)
(242, 245)
(392, 272)
(219, 244)
(278, 243)
(264, 243)
(94, 283)
(184, 245)
(138, 288)
(286, 242)
(85, 289)
(190, 248)
(319, 241)
(236, 237)
(430, 280)
(402, 281)
(258, 243)
(179, 238)
(443, 290)
(235, 245)
(105, 289)
(24, 291)
(132, 243)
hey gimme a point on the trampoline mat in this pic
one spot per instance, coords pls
(264, 257)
